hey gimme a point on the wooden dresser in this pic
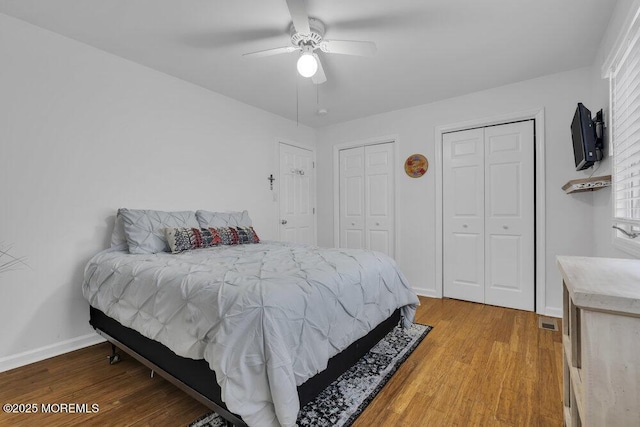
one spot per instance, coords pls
(601, 341)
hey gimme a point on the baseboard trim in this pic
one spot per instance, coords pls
(36, 355)
(423, 292)
(431, 293)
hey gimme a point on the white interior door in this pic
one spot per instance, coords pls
(510, 216)
(489, 215)
(352, 216)
(463, 215)
(379, 198)
(297, 195)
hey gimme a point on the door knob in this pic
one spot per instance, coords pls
(464, 225)
(353, 223)
(505, 227)
(283, 222)
(377, 223)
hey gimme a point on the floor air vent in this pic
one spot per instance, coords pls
(547, 323)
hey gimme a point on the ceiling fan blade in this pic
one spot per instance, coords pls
(299, 16)
(319, 77)
(351, 47)
(271, 52)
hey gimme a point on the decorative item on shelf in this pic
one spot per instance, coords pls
(416, 165)
(587, 184)
(271, 179)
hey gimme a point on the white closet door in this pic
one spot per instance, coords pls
(379, 198)
(463, 215)
(296, 195)
(352, 214)
(509, 216)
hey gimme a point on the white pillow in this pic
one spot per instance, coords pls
(144, 229)
(117, 236)
(208, 219)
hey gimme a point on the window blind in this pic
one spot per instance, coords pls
(625, 136)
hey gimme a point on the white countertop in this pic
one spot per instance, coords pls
(603, 284)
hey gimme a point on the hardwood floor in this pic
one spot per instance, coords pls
(480, 365)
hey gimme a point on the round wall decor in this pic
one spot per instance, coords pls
(416, 165)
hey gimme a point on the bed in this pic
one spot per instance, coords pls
(251, 330)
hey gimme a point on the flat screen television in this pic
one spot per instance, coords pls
(587, 137)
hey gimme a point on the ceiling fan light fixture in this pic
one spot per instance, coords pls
(307, 64)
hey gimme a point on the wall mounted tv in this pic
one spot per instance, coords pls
(587, 135)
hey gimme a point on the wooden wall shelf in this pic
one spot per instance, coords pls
(587, 184)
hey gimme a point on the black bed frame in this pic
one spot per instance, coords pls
(199, 381)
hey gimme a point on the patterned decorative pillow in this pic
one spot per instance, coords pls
(184, 239)
(229, 235)
(247, 235)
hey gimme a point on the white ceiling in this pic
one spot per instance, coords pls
(427, 50)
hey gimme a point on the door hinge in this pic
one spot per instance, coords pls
(313, 165)
(314, 211)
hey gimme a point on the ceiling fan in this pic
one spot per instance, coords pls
(307, 36)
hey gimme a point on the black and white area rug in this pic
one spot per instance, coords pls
(344, 400)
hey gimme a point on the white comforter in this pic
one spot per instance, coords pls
(265, 316)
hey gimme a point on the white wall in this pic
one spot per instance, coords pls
(569, 218)
(602, 208)
(82, 133)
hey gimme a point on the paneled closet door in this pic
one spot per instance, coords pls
(379, 198)
(366, 212)
(489, 215)
(509, 216)
(352, 215)
(463, 215)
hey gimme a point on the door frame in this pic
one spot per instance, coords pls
(336, 185)
(540, 195)
(276, 187)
